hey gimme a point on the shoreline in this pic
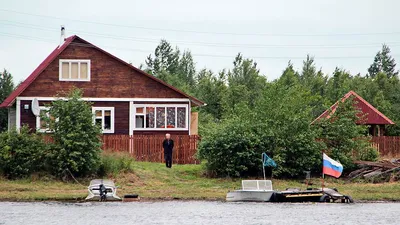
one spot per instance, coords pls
(153, 182)
(146, 200)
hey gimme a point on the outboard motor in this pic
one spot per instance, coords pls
(103, 192)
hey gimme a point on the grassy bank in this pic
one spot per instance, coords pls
(154, 181)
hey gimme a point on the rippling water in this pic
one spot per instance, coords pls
(197, 212)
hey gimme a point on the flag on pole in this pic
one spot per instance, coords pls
(331, 167)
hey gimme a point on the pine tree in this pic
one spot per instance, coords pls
(6, 87)
(187, 68)
(289, 76)
(383, 62)
(309, 71)
(165, 60)
(338, 85)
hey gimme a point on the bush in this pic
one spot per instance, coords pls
(231, 150)
(115, 163)
(76, 139)
(234, 147)
(21, 154)
(279, 125)
(368, 153)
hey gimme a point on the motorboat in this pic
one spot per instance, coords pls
(262, 191)
(252, 191)
(102, 190)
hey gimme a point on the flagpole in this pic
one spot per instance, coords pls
(323, 175)
(262, 161)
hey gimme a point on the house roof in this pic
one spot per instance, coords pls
(53, 55)
(373, 116)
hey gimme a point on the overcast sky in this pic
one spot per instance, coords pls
(340, 33)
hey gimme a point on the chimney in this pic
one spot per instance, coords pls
(63, 37)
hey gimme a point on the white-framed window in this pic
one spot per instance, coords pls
(160, 117)
(74, 70)
(41, 124)
(104, 117)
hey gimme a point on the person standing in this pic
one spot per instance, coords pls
(168, 145)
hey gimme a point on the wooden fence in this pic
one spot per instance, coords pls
(149, 147)
(388, 146)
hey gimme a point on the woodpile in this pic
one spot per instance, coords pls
(382, 171)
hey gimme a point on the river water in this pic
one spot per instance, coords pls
(197, 212)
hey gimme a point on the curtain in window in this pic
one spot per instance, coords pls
(74, 71)
(84, 70)
(181, 117)
(150, 117)
(171, 117)
(160, 117)
(65, 70)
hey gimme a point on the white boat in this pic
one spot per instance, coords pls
(102, 190)
(252, 191)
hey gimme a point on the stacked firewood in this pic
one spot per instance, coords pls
(382, 171)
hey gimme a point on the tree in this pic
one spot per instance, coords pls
(289, 76)
(165, 59)
(211, 89)
(338, 85)
(6, 87)
(187, 68)
(383, 62)
(76, 139)
(309, 71)
(346, 140)
(169, 65)
(245, 77)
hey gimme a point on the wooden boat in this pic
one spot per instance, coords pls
(102, 190)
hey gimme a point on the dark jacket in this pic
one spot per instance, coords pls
(168, 146)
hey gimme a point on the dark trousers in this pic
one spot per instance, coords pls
(168, 159)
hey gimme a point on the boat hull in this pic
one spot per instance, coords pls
(249, 196)
(94, 190)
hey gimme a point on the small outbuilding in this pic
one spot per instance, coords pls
(376, 120)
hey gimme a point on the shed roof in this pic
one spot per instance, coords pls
(373, 115)
(42, 66)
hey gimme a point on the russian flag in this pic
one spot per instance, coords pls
(331, 167)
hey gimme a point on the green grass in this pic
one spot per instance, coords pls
(154, 181)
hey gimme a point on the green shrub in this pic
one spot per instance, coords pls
(21, 154)
(115, 163)
(234, 149)
(231, 150)
(279, 125)
(76, 139)
(367, 154)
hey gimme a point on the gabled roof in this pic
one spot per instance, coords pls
(373, 116)
(11, 98)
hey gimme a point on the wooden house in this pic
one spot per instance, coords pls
(126, 100)
(376, 120)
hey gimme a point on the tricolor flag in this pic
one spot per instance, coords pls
(331, 167)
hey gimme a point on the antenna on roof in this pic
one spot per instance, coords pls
(63, 37)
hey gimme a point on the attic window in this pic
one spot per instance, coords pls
(74, 70)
